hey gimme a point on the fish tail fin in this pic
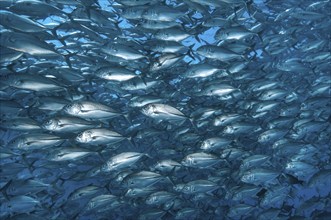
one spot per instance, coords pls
(193, 125)
(132, 143)
(259, 35)
(226, 157)
(68, 56)
(4, 189)
(170, 180)
(190, 52)
(56, 189)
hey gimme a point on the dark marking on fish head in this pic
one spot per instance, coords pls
(73, 108)
(50, 124)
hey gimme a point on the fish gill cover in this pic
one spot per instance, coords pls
(147, 109)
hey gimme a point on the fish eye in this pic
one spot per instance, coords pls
(19, 82)
(69, 106)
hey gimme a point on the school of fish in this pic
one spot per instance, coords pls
(165, 109)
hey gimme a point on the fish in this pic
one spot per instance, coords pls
(141, 101)
(163, 112)
(116, 74)
(161, 46)
(161, 13)
(159, 198)
(245, 192)
(121, 161)
(240, 210)
(21, 124)
(218, 53)
(276, 198)
(139, 192)
(238, 128)
(145, 109)
(255, 161)
(68, 154)
(14, 21)
(33, 83)
(102, 203)
(198, 186)
(215, 143)
(35, 141)
(20, 204)
(200, 160)
(201, 70)
(142, 179)
(27, 44)
(260, 177)
(301, 170)
(226, 119)
(233, 33)
(171, 34)
(67, 124)
(165, 61)
(271, 135)
(167, 166)
(9, 55)
(122, 51)
(89, 110)
(220, 90)
(30, 187)
(35, 9)
(50, 103)
(98, 136)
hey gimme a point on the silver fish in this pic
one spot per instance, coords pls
(33, 83)
(66, 124)
(99, 136)
(142, 179)
(218, 53)
(19, 23)
(121, 161)
(163, 112)
(200, 160)
(90, 110)
(27, 44)
(35, 141)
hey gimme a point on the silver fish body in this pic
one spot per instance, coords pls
(90, 110)
(98, 136)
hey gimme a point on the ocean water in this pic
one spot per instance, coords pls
(168, 109)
